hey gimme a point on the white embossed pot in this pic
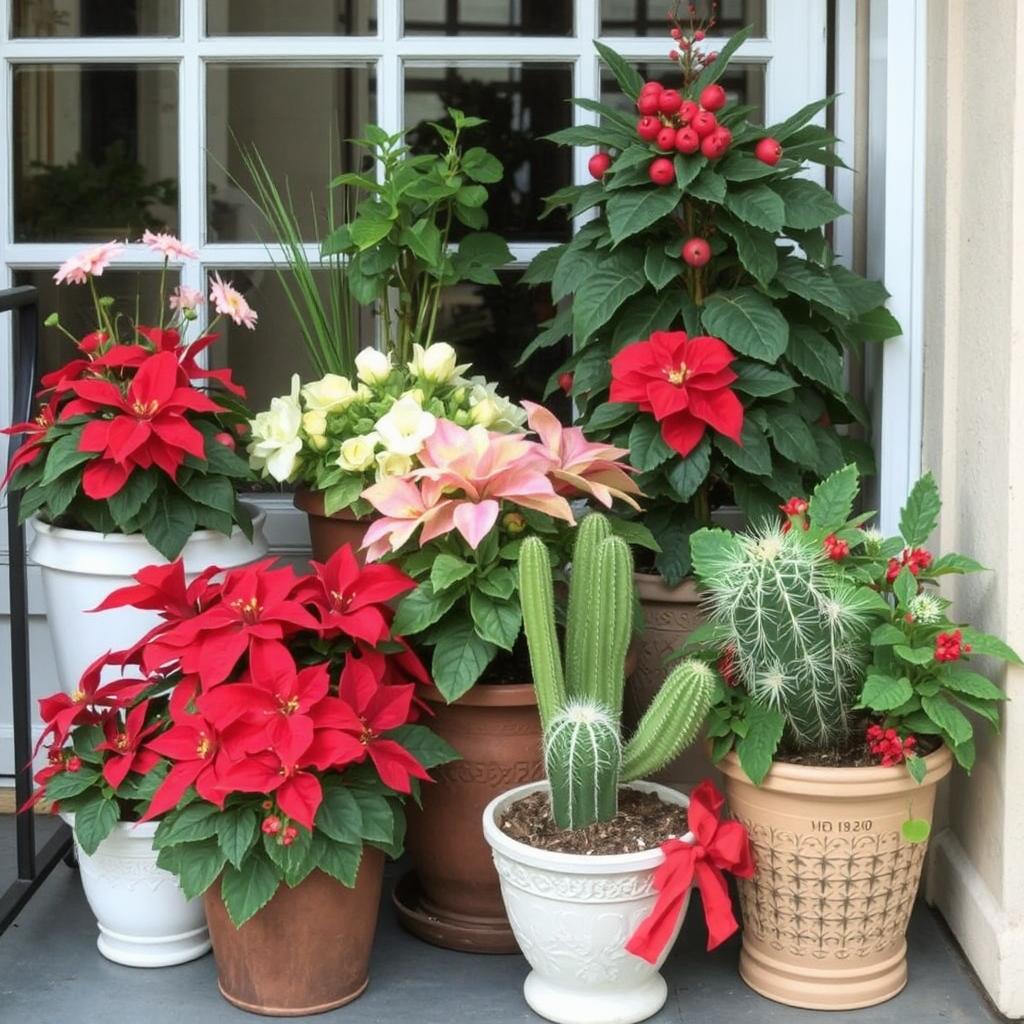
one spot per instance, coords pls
(80, 568)
(572, 916)
(142, 914)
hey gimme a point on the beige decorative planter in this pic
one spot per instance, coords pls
(670, 615)
(825, 916)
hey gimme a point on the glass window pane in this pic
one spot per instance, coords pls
(647, 18)
(85, 18)
(488, 17)
(298, 118)
(521, 103)
(95, 151)
(73, 303)
(490, 325)
(309, 18)
(743, 83)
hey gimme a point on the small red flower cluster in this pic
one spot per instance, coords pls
(273, 826)
(886, 744)
(915, 559)
(950, 646)
(727, 667)
(795, 511)
(836, 548)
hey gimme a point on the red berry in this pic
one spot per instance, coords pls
(717, 143)
(647, 103)
(688, 111)
(696, 252)
(711, 57)
(673, 55)
(666, 139)
(647, 128)
(676, 33)
(598, 164)
(698, 35)
(74, 764)
(687, 140)
(669, 101)
(768, 151)
(565, 382)
(662, 171)
(652, 86)
(289, 836)
(713, 97)
(271, 825)
(704, 123)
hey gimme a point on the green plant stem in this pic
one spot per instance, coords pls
(702, 505)
(163, 282)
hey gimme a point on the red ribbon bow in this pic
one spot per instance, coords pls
(718, 846)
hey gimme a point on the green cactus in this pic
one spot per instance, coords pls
(796, 627)
(581, 710)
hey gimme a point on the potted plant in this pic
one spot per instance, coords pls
(100, 776)
(335, 438)
(840, 709)
(706, 269)
(292, 746)
(583, 855)
(131, 460)
(456, 525)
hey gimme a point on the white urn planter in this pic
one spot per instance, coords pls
(572, 916)
(143, 917)
(80, 568)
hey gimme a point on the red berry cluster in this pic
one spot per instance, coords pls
(886, 744)
(915, 559)
(273, 826)
(795, 510)
(836, 548)
(727, 667)
(691, 60)
(950, 646)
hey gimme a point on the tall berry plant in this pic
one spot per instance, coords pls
(708, 230)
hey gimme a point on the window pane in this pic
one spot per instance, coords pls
(521, 103)
(490, 325)
(647, 17)
(95, 151)
(73, 303)
(309, 18)
(298, 118)
(84, 18)
(743, 83)
(488, 17)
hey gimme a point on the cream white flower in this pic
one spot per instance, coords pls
(331, 393)
(435, 363)
(314, 422)
(392, 464)
(405, 426)
(357, 452)
(276, 443)
(485, 412)
(509, 416)
(416, 394)
(373, 366)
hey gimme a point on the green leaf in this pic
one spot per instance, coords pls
(660, 267)
(343, 493)
(687, 168)
(448, 570)
(757, 749)
(543, 266)
(200, 865)
(951, 721)
(482, 166)
(793, 438)
(794, 123)
(739, 166)
(807, 204)
(812, 283)
(748, 323)
(708, 186)
(886, 635)
(632, 210)
(248, 889)
(63, 455)
(953, 563)
(496, 621)
(985, 643)
(831, 503)
(377, 816)
(916, 830)
(913, 655)
(424, 744)
(646, 313)
(920, 515)
(815, 356)
(905, 587)
(755, 378)
(591, 135)
(862, 295)
(629, 79)
(94, 821)
(68, 784)
(757, 205)
(712, 549)
(138, 489)
(170, 521)
(421, 608)
(752, 455)
(424, 240)
(294, 861)
(460, 657)
(713, 71)
(972, 684)
(604, 291)
(647, 448)
(965, 754)
(686, 475)
(339, 816)
(339, 860)
(214, 491)
(610, 414)
(478, 256)
(756, 248)
(369, 228)
(237, 829)
(917, 768)
(883, 693)
(190, 824)
(500, 582)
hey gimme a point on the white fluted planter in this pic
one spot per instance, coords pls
(80, 568)
(572, 916)
(143, 917)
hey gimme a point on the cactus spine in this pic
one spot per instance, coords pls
(581, 709)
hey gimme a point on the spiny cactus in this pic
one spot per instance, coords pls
(581, 709)
(796, 628)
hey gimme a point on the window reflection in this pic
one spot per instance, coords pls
(488, 17)
(647, 17)
(90, 18)
(308, 18)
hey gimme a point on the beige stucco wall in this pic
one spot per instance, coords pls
(974, 442)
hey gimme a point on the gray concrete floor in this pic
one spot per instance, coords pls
(50, 971)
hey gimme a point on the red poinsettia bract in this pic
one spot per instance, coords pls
(684, 383)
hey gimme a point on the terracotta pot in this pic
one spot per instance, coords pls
(306, 951)
(452, 897)
(826, 914)
(328, 533)
(670, 615)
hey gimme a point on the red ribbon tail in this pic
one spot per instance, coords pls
(714, 894)
(656, 930)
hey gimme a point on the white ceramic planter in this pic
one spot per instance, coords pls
(142, 914)
(572, 916)
(80, 568)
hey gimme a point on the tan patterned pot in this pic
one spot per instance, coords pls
(825, 916)
(670, 615)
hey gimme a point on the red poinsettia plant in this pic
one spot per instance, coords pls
(134, 434)
(271, 728)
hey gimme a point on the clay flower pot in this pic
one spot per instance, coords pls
(306, 951)
(452, 897)
(826, 913)
(327, 533)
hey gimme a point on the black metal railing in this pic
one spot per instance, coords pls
(33, 866)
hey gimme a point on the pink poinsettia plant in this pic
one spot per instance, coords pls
(268, 722)
(455, 525)
(134, 434)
